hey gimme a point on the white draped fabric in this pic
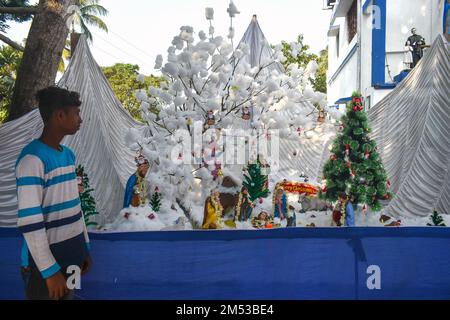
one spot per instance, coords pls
(412, 128)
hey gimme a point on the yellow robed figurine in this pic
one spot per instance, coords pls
(212, 218)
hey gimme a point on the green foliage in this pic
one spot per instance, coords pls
(302, 60)
(368, 184)
(89, 13)
(436, 220)
(86, 198)
(320, 82)
(123, 80)
(4, 18)
(155, 201)
(10, 59)
(254, 181)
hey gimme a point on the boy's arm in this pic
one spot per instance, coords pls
(30, 187)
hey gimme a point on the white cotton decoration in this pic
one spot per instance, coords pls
(284, 133)
(226, 49)
(185, 57)
(132, 136)
(272, 85)
(202, 35)
(188, 29)
(144, 106)
(170, 68)
(178, 42)
(323, 103)
(245, 48)
(218, 41)
(308, 92)
(140, 78)
(312, 67)
(141, 94)
(178, 101)
(209, 13)
(186, 36)
(309, 134)
(158, 62)
(232, 10)
(151, 116)
(214, 77)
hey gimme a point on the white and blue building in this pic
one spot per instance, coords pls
(366, 41)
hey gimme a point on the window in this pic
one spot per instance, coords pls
(367, 104)
(337, 45)
(352, 21)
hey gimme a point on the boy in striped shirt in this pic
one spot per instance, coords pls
(49, 210)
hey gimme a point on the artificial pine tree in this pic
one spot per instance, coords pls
(86, 198)
(355, 166)
(255, 181)
(436, 219)
(155, 201)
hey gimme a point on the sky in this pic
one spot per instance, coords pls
(139, 30)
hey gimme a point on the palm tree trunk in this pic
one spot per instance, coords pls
(43, 50)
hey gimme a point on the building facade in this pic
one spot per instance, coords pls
(366, 42)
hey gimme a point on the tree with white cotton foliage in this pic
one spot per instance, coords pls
(208, 79)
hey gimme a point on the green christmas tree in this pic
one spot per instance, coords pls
(436, 219)
(355, 166)
(86, 198)
(255, 181)
(155, 201)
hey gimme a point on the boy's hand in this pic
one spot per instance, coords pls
(57, 286)
(87, 263)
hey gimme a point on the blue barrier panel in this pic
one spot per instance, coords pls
(293, 263)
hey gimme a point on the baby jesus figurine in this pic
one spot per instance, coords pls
(262, 221)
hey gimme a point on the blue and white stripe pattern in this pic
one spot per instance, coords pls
(49, 208)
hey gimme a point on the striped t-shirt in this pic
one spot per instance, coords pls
(49, 209)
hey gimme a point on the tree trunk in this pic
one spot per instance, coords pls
(43, 50)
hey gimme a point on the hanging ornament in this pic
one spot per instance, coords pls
(366, 154)
(348, 164)
(151, 216)
(352, 174)
(357, 100)
(126, 215)
(299, 131)
(156, 189)
(364, 209)
(189, 121)
(362, 180)
(386, 197)
(355, 108)
(341, 127)
(388, 184)
(333, 157)
(180, 156)
(246, 113)
(210, 119)
(321, 118)
(347, 149)
(324, 189)
(361, 108)
(261, 200)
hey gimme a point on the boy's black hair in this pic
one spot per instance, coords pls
(55, 98)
